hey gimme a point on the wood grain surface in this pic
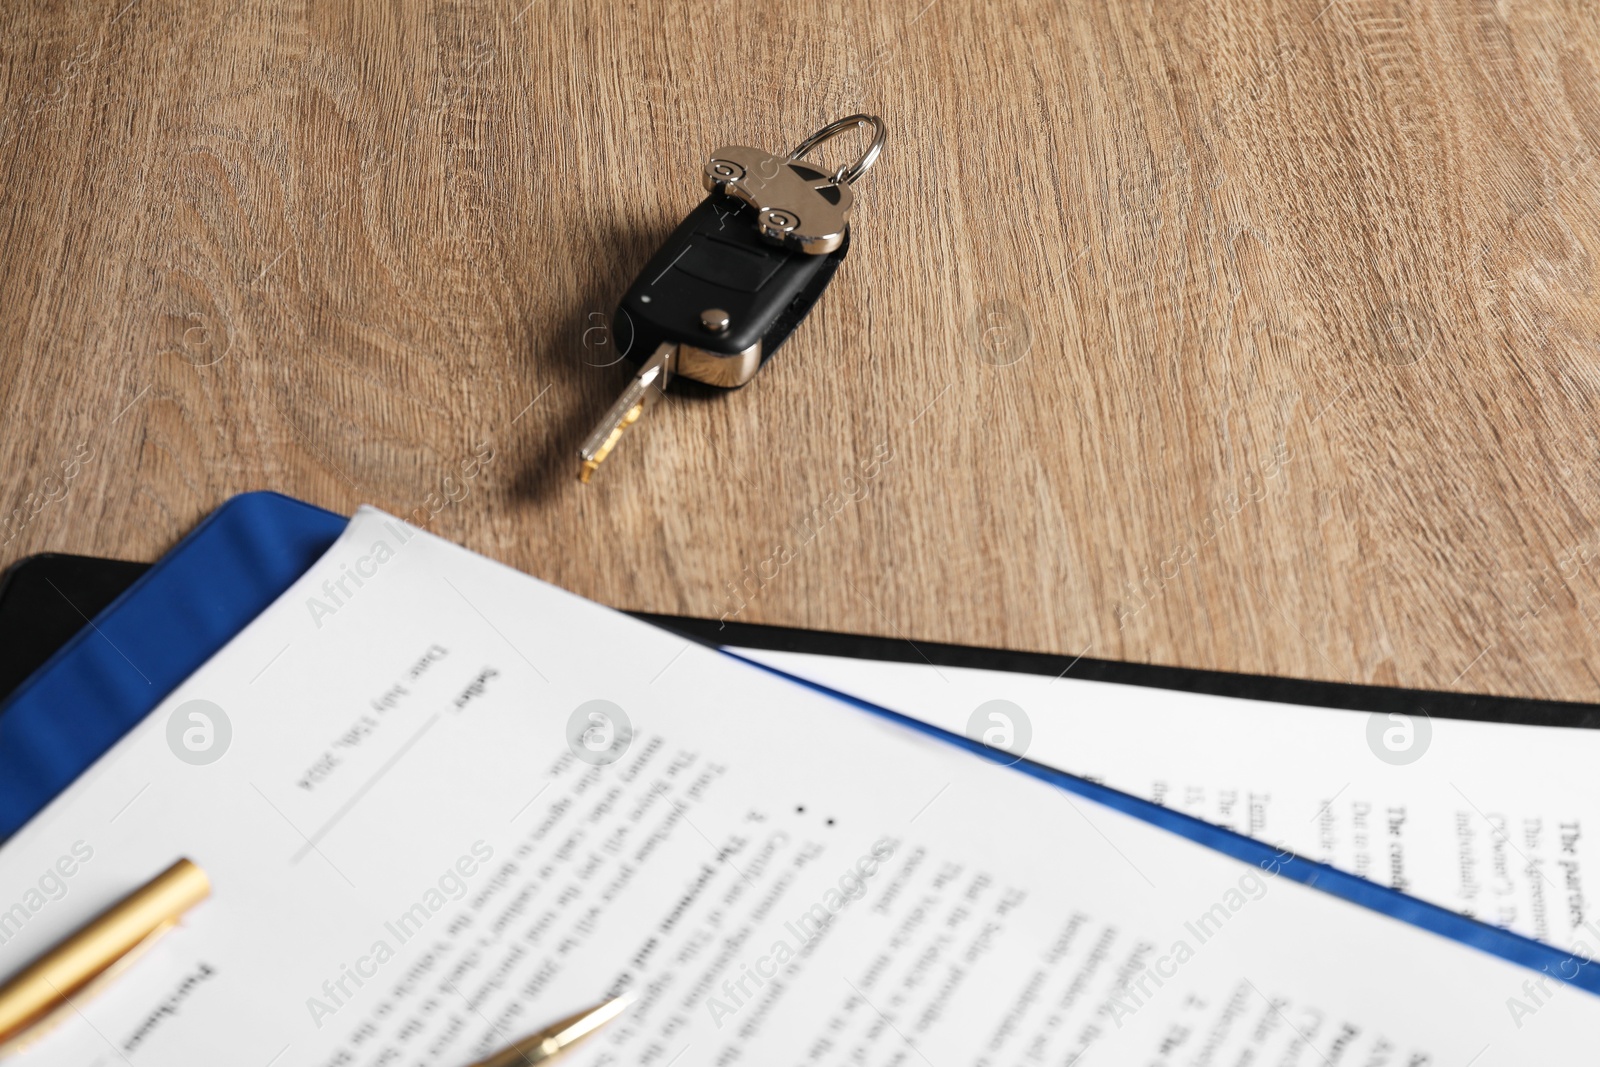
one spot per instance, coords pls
(1256, 335)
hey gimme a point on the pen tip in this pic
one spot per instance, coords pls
(612, 1007)
(575, 1028)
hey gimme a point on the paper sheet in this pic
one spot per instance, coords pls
(1491, 820)
(398, 780)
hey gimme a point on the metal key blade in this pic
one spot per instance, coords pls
(645, 389)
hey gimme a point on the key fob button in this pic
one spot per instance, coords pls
(725, 264)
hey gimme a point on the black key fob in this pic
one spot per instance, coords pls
(722, 293)
(731, 283)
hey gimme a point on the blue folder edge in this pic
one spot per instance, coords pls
(246, 553)
(178, 614)
(1559, 964)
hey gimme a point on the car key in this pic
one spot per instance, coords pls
(735, 278)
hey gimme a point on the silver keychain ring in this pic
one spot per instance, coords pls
(850, 172)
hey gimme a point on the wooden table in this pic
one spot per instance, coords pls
(1258, 336)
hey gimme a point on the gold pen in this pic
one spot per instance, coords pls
(558, 1037)
(41, 996)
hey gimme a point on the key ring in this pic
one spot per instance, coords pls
(850, 172)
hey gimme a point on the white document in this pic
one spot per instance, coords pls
(415, 859)
(1491, 820)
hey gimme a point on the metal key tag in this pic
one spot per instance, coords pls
(797, 206)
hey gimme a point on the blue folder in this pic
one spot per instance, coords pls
(214, 582)
(114, 672)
